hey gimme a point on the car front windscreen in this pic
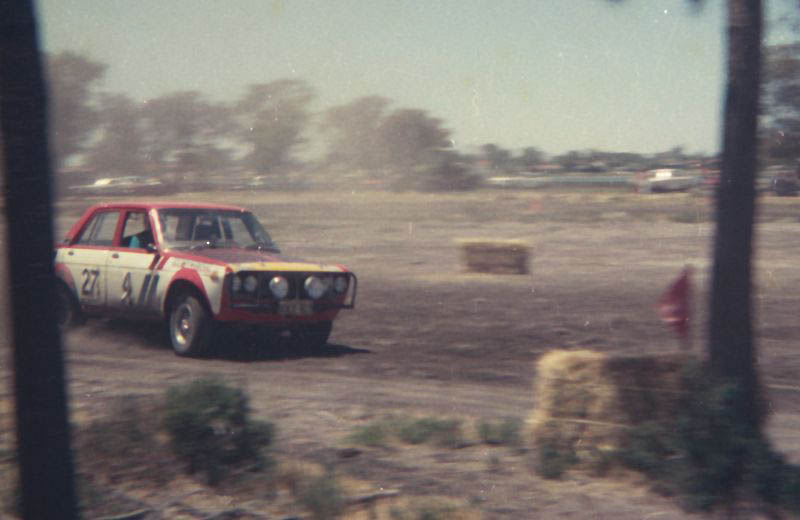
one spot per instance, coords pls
(194, 228)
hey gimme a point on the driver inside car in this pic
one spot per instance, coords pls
(143, 238)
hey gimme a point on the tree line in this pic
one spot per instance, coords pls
(264, 131)
(261, 132)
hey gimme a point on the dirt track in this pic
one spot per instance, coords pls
(428, 338)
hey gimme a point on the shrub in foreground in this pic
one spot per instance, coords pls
(506, 432)
(665, 416)
(443, 432)
(210, 428)
(446, 433)
(323, 496)
(706, 457)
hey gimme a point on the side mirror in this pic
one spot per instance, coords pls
(151, 248)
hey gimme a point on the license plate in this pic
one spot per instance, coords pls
(296, 308)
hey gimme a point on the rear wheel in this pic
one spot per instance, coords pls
(189, 326)
(312, 336)
(68, 312)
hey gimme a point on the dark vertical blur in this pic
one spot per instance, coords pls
(46, 470)
(731, 343)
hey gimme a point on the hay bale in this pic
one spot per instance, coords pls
(495, 256)
(588, 401)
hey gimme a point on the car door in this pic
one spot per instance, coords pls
(132, 279)
(86, 257)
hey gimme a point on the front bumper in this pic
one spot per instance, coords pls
(297, 306)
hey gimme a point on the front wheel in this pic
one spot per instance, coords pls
(312, 336)
(189, 327)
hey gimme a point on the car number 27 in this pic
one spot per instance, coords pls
(90, 286)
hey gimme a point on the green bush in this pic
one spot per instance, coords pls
(649, 446)
(446, 433)
(443, 432)
(706, 456)
(210, 429)
(373, 434)
(552, 459)
(323, 497)
(505, 432)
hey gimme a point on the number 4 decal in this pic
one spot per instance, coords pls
(146, 293)
(127, 290)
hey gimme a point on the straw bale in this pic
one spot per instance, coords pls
(587, 401)
(495, 256)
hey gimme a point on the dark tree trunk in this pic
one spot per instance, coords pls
(45, 459)
(731, 348)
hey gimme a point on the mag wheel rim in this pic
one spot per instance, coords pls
(183, 326)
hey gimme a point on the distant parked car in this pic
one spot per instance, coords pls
(785, 185)
(126, 185)
(517, 182)
(195, 266)
(665, 180)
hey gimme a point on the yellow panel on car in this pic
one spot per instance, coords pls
(286, 266)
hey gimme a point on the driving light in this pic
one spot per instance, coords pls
(236, 284)
(314, 287)
(250, 283)
(340, 284)
(279, 287)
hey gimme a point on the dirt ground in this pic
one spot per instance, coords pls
(428, 338)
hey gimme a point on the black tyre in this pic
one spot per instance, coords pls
(312, 336)
(189, 326)
(68, 312)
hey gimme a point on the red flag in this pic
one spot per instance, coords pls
(674, 305)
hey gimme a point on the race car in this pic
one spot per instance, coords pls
(195, 266)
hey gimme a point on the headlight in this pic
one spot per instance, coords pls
(340, 284)
(279, 287)
(236, 284)
(250, 283)
(314, 287)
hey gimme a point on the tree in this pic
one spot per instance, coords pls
(497, 157)
(120, 149)
(731, 344)
(780, 133)
(272, 118)
(570, 160)
(416, 153)
(185, 132)
(73, 119)
(43, 436)
(530, 158)
(408, 134)
(353, 132)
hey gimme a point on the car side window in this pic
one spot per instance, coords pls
(136, 230)
(100, 230)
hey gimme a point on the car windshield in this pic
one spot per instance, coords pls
(191, 228)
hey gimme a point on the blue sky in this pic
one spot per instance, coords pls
(639, 76)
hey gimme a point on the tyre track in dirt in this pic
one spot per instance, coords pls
(319, 385)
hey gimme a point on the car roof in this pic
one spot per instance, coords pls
(143, 206)
(165, 205)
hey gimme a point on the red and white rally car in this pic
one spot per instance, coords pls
(194, 265)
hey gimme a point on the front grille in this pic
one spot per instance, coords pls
(262, 298)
